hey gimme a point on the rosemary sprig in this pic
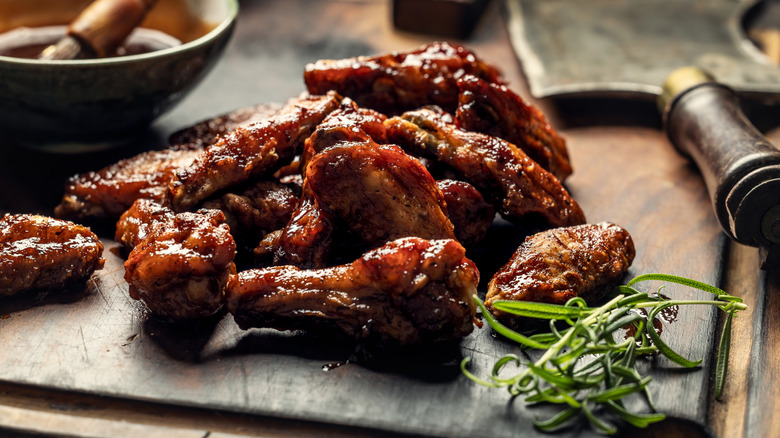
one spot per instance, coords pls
(583, 367)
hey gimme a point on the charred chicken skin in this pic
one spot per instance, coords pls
(556, 265)
(253, 151)
(494, 109)
(408, 292)
(181, 262)
(400, 81)
(39, 253)
(377, 193)
(514, 183)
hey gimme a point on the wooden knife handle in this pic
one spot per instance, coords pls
(105, 24)
(741, 168)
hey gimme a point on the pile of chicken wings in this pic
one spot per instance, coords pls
(349, 210)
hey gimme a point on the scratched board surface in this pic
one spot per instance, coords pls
(95, 339)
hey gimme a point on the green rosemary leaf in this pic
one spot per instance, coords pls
(558, 421)
(679, 280)
(632, 296)
(553, 395)
(721, 366)
(661, 345)
(622, 321)
(597, 422)
(506, 331)
(638, 420)
(531, 309)
(552, 377)
(618, 392)
(474, 378)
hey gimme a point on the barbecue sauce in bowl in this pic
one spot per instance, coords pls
(28, 42)
(28, 27)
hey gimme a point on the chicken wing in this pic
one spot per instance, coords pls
(181, 262)
(494, 109)
(207, 132)
(518, 187)
(107, 193)
(41, 253)
(377, 193)
(408, 292)
(400, 81)
(559, 264)
(258, 149)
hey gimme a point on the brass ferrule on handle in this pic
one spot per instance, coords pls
(740, 167)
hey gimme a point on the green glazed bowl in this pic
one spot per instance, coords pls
(82, 105)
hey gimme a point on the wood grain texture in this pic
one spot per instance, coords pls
(96, 342)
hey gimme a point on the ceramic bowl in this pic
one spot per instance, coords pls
(76, 105)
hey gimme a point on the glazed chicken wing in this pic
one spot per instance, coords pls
(559, 264)
(503, 173)
(258, 149)
(107, 193)
(494, 109)
(181, 262)
(377, 193)
(408, 292)
(40, 253)
(400, 81)
(207, 132)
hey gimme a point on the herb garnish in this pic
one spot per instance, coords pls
(563, 375)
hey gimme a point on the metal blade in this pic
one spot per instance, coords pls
(628, 47)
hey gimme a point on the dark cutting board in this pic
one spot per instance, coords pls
(96, 340)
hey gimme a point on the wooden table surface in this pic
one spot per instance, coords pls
(625, 171)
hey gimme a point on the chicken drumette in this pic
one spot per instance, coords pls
(408, 292)
(556, 265)
(42, 253)
(179, 263)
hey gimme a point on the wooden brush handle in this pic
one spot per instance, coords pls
(741, 169)
(105, 24)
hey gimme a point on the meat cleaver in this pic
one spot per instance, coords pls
(693, 57)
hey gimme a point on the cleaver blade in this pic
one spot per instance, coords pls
(692, 57)
(627, 48)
